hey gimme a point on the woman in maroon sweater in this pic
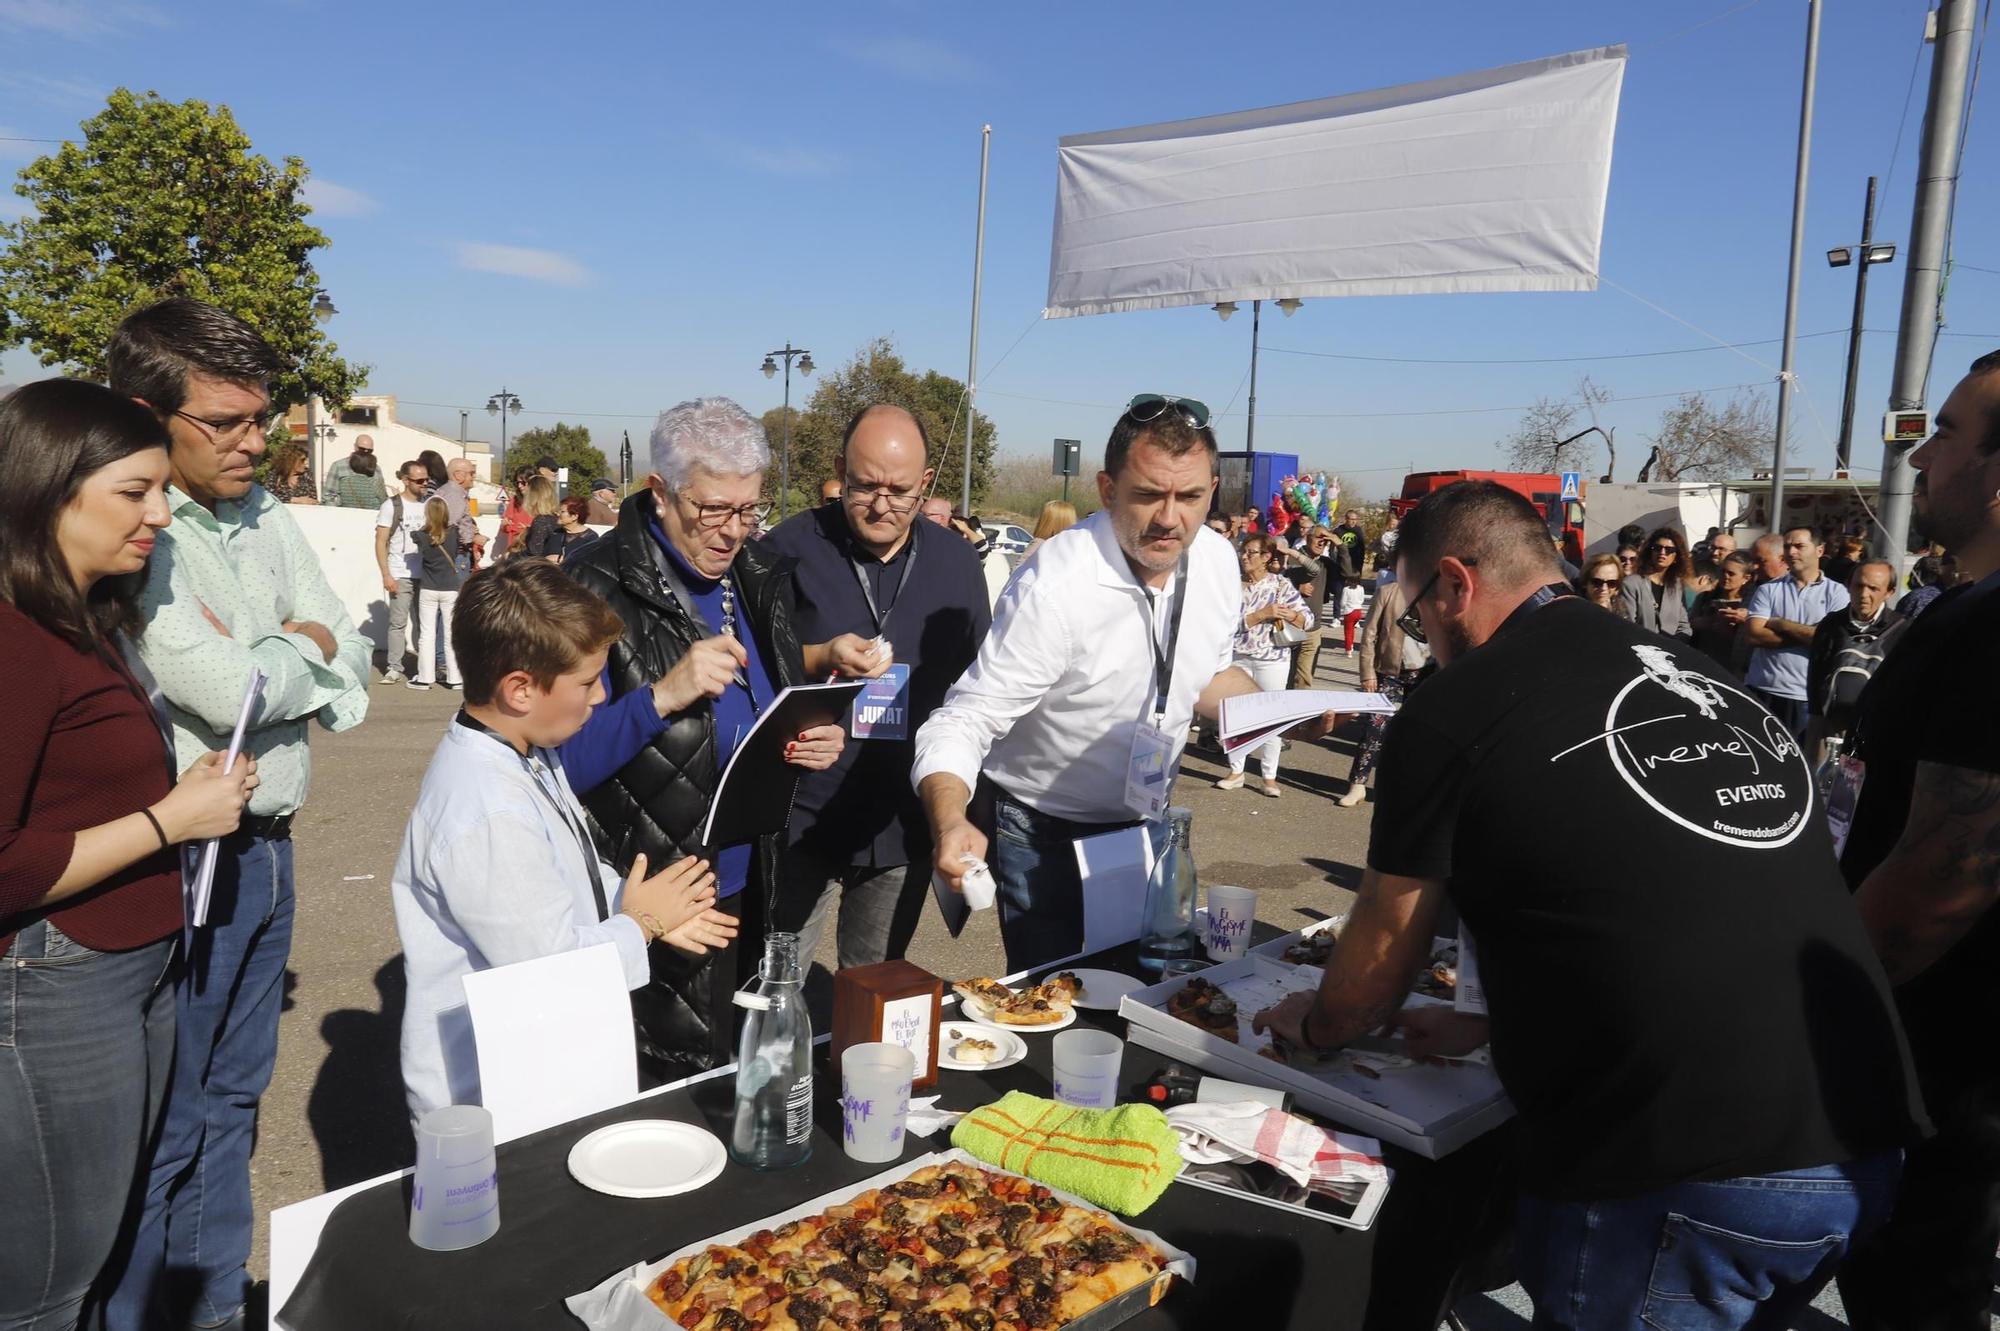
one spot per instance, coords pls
(90, 815)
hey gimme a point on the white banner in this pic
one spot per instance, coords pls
(1493, 181)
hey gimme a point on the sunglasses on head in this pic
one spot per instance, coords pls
(1151, 406)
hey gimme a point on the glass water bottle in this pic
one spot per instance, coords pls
(774, 1077)
(1169, 921)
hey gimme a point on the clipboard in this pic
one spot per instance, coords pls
(755, 794)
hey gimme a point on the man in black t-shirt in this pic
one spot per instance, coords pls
(1924, 855)
(1681, 993)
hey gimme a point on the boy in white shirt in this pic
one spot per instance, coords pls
(497, 865)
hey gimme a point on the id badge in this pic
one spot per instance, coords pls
(1146, 775)
(882, 708)
(1840, 801)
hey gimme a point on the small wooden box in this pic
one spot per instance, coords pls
(895, 1002)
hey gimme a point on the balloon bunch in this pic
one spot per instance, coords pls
(1304, 499)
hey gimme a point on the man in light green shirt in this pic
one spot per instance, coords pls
(232, 586)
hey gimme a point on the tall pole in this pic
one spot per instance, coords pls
(1846, 443)
(1923, 277)
(625, 465)
(785, 459)
(1250, 432)
(972, 357)
(312, 442)
(1792, 281)
(461, 431)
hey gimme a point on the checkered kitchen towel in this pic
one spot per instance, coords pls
(1338, 1163)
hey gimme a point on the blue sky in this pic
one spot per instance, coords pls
(609, 207)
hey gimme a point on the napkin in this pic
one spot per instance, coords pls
(926, 1118)
(1330, 1162)
(1121, 1159)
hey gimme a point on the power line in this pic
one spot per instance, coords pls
(1374, 415)
(1903, 122)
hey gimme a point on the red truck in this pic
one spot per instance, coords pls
(1542, 489)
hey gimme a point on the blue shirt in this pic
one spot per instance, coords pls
(616, 732)
(1781, 671)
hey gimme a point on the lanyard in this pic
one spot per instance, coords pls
(1163, 666)
(880, 616)
(555, 802)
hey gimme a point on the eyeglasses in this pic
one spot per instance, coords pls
(868, 495)
(1659, 547)
(1609, 584)
(1408, 621)
(1151, 406)
(236, 426)
(709, 517)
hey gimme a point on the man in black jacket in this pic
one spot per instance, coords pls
(708, 643)
(885, 597)
(1848, 644)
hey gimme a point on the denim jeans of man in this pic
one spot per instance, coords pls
(1744, 1253)
(86, 1048)
(1040, 892)
(1793, 713)
(879, 906)
(1931, 1266)
(193, 1238)
(402, 633)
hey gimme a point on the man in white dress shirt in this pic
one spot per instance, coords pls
(1105, 645)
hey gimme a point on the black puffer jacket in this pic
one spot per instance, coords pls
(655, 804)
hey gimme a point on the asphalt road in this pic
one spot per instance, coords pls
(334, 1113)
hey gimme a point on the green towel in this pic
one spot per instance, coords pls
(1121, 1159)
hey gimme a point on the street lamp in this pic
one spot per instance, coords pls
(1862, 256)
(503, 404)
(770, 369)
(1223, 309)
(323, 308)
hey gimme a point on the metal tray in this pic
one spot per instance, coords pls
(1429, 1109)
(619, 1303)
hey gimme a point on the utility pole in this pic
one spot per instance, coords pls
(1792, 281)
(972, 358)
(1923, 278)
(462, 415)
(1250, 427)
(1862, 261)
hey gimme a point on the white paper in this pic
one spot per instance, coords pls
(1114, 867)
(1469, 995)
(1249, 718)
(203, 884)
(555, 1039)
(1487, 181)
(619, 1302)
(908, 1022)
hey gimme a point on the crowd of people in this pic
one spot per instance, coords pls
(1767, 1069)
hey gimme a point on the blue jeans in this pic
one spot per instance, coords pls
(187, 1263)
(86, 1047)
(1039, 889)
(1737, 1253)
(1794, 714)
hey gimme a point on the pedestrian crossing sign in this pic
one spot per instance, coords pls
(1572, 485)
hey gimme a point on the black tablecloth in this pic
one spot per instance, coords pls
(1256, 1266)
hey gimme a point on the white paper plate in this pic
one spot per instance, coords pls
(1103, 989)
(979, 1012)
(648, 1157)
(1012, 1047)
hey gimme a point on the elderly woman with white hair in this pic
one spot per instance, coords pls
(708, 642)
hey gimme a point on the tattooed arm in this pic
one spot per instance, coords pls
(1387, 937)
(1942, 875)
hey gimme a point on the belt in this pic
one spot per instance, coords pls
(263, 827)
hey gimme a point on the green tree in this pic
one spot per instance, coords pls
(569, 445)
(165, 199)
(878, 374)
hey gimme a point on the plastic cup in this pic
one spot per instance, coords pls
(1087, 1068)
(875, 1100)
(456, 1201)
(1231, 912)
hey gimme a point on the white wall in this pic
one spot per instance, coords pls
(344, 540)
(1692, 506)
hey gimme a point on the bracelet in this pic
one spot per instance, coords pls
(158, 831)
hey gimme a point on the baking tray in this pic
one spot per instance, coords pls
(619, 1303)
(1429, 1108)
